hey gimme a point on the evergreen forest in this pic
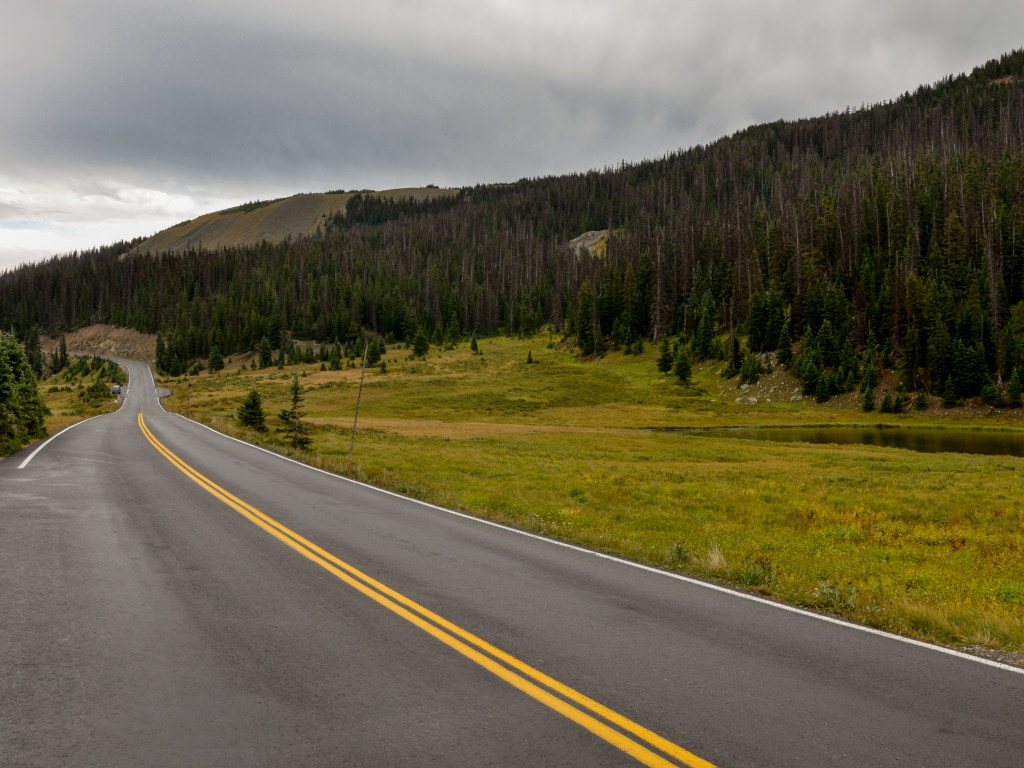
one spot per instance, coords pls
(886, 236)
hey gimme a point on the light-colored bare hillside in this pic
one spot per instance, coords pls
(107, 341)
(275, 221)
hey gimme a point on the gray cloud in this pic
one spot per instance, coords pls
(214, 101)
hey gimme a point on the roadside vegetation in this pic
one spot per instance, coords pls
(22, 413)
(523, 431)
(80, 389)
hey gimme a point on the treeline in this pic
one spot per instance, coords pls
(893, 231)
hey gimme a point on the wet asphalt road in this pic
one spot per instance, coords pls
(147, 620)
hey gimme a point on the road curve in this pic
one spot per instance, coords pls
(172, 597)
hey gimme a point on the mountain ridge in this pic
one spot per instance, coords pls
(271, 220)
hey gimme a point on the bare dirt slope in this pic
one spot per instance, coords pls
(253, 223)
(108, 341)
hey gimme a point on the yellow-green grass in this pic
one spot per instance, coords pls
(928, 545)
(63, 396)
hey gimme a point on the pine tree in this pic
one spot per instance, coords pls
(751, 369)
(704, 338)
(473, 346)
(785, 353)
(682, 367)
(529, 357)
(62, 355)
(34, 352)
(420, 343)
(887, 403)
(809, 373)
(867, 403)
(1013, 391)
(161, 354)
(822, 390)
(585, 339)
(373, 352)
(22, 411)
(664, 357)
(266, 353)
(949, 396)
(250, 412)
(216, 362)
(294, 429)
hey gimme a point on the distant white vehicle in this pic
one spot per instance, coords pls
(116, 389)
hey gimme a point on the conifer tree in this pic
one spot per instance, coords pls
(420, 343)
(1013, 391)
(161, 353)
(682, 367)
(867, 403)
(22, 412)
(294, 429)
(250, 412)
(266, 353)
(821, 389)
(585, 339)
(704, 338)
(62, 355)
(751, 369)
(949, 396)
(785, 353)
(34, 352)
(664, 357)
(216, 362)
(887, 403)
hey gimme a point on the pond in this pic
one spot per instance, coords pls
(992, 443)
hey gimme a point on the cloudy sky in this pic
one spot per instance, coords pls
(121, 117)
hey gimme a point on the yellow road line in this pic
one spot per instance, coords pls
(454, 636)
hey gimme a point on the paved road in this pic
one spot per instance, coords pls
(265, 614)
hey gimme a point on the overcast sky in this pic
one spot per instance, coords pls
(119, 118)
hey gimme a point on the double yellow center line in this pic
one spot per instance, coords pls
(623, 733)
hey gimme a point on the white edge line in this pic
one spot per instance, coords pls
(72, 426)
(630, 563)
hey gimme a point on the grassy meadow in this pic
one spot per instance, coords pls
(927, 545)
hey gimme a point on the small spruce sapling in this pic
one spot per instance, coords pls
(664, 357)
(294, 429)
(250, 412)
(682, 366)
(868, 402)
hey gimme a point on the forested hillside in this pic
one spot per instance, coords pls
(896, 229)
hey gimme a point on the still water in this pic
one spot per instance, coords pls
(914, 439)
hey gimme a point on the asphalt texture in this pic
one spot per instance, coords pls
(146, 622)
